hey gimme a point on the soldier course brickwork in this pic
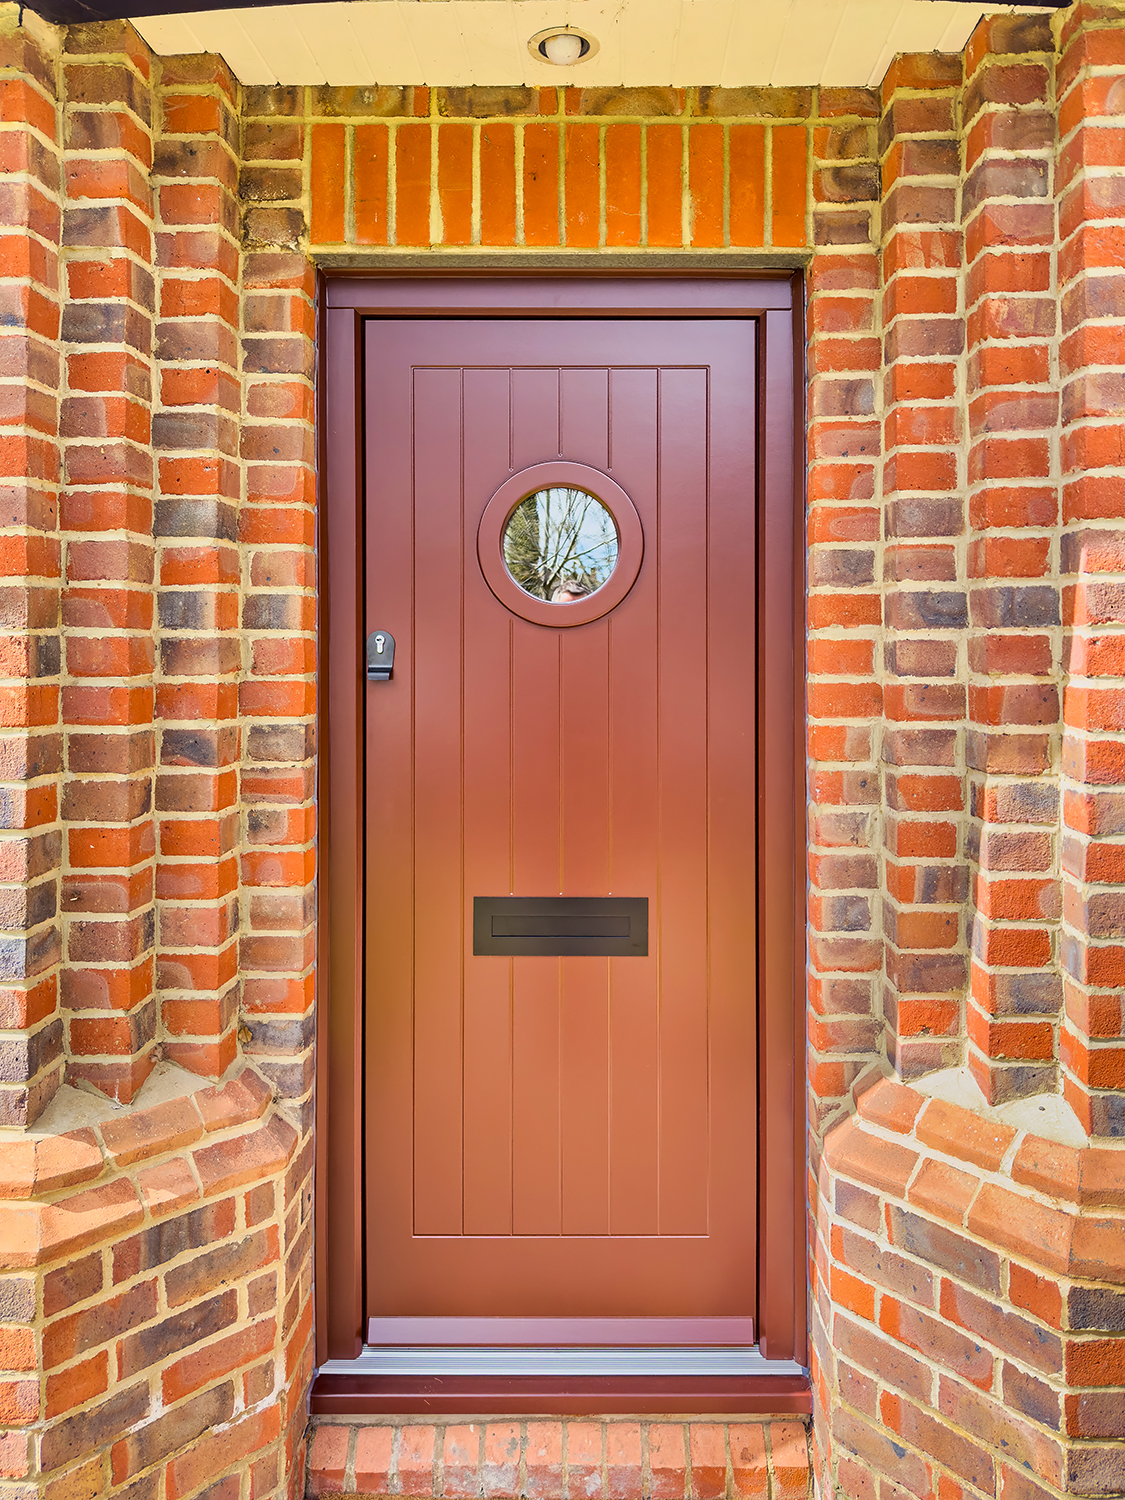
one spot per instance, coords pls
(160, 228)
(583, 1460)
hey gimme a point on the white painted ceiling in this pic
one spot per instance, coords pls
(730, 43)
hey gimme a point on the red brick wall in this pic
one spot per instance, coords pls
(968, 1271)
(156, 749)
(961, 234)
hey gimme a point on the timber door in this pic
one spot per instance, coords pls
(561, 970)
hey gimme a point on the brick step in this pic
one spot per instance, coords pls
(545, 1459)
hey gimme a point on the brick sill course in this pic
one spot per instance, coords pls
(64, 1190)
(896, 1127)
(550, 1458)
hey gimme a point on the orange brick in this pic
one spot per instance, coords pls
(747, 185)
(497, 184)
(665, 184)
(327, 184)
(705, 183)
(455, 183)
(541, 185)
(789, 144)
(582, 185)
(412, 185)
(372, 150)
(623, 184)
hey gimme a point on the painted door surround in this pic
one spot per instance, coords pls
(626, 317)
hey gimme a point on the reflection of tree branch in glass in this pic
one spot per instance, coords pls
(560, 545)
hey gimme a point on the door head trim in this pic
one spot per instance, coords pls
(774, 303)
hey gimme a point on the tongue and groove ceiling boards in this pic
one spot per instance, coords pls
(731, 43)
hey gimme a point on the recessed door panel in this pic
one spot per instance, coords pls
(562, 1136)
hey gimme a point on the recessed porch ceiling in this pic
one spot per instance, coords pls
(731, 43)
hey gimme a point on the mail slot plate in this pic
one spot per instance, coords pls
(561, 926)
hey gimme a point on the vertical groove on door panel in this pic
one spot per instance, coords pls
(585, 809)
(486, 1009)
(683, 812)
(732, 790)
(585, 805)
(536, 797)
(633, 801)
(437, 688)
(584, 417)
(389, 756)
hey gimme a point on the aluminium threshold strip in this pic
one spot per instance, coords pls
(508, 1361)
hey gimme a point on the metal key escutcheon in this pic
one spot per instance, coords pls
(380, 656)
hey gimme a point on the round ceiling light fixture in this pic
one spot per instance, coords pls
(562, 45)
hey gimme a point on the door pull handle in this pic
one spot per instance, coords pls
(380, 656)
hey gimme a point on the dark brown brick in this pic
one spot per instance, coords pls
(1007, 606)
(219, 1266)
(925, 517)
(184, 160)
(279, 356)
(282, 743)
(911, 203)
(265, 182)
(847, 142)
(106, 801)
(180, 1331)
(212, 519)
(847, 228)
(274, 226)
(27, 906)
(109, 754)
(273, 612)
(24, 958)
(850, 184)
(273, 140)
(196, 340)
(88, 1431)
(944, 1248)
(1022, 83)
(1004, 1328)
(199, 747)
(330, 102)
(917, 609)
(112, 942)
(760, 103)
(173, 1237)
(1032, 1397)
(108, 323)
(841, 567)
(487, 103)
(182, 1425)
(108, 83)
(108, 1319)
(194, 430)
(17, 1299)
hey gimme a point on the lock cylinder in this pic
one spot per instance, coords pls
(380, 656)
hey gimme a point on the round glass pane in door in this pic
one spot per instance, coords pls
(560, 544)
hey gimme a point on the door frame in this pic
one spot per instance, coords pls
(776, 300)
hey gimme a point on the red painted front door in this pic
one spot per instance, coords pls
(561, 1136)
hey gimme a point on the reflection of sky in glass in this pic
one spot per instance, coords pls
(560, 544)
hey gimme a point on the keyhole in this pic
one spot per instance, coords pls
(379, 639)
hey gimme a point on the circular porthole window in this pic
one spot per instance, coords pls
(560, 544)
